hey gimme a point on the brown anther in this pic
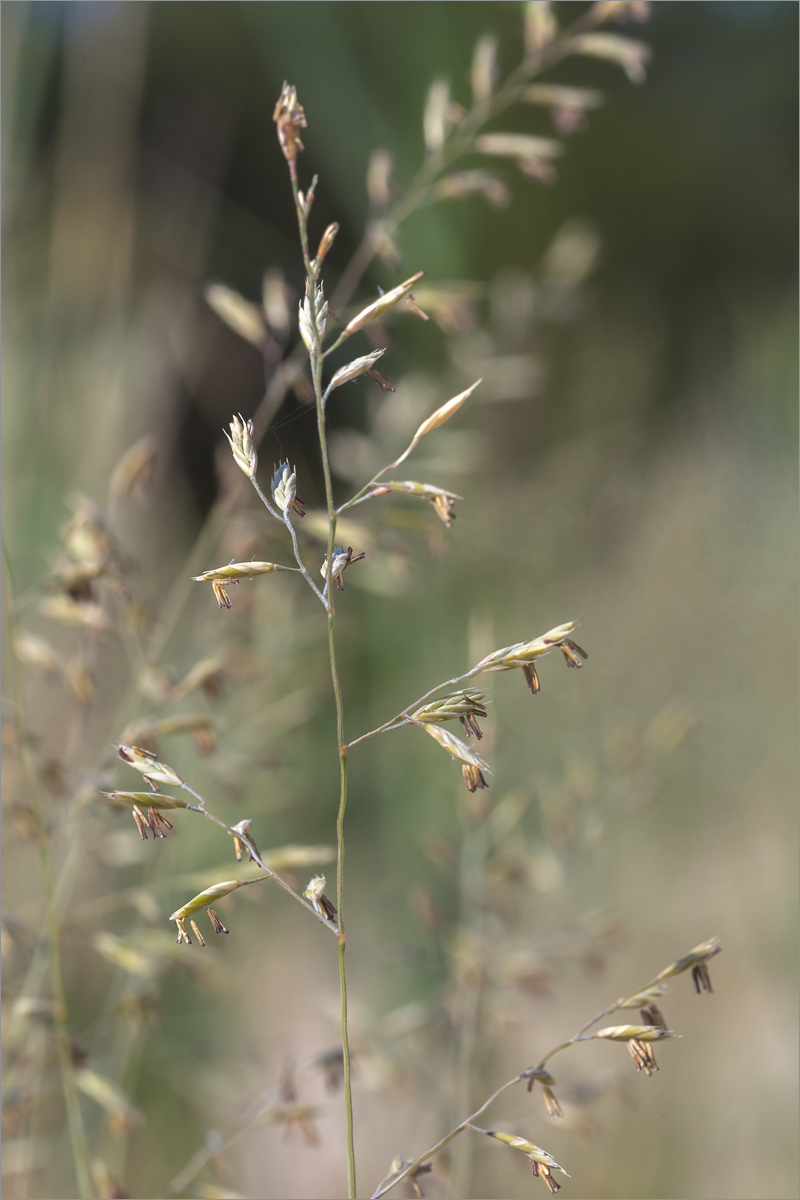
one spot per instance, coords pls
(182, 934)
(142, 823)
(532, 678)
(410, 301)
(290, 119)
(222, 597)
(571, 650)
(198, 934)
(642, 1055)
(215, 921)
(470, 725)
(701, 977)
(473, 777)
(381, 380)
(158, 823)
(541, 1169)
(652, 1015)
(443, 506)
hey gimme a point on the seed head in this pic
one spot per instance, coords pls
(465, 706)
(153, 771)
(355, 368)
(327, 240)
(290, 119)
(284, 490)
(638, 1039)
(241, 442)
(341, 560)
(244, 841)
(696, 961)
(319, 901)
(203, 900)
(542, 1163)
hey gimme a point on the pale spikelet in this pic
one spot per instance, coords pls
(290, 119)
(327, 240)
(631, 55)
(123, 954)
(559, 95)
(443, 414)
(467, 183)
(87, 539)
(341, 560)
(639, 1033)
(403, 1166)
(455, 747)
(542, 1163)
(379, 176)
(379, 306)
(434, 118)
(284, 490)
(436, 419)
(86, 614)
(568, 105)
(240, 315)
(315, 894)
(643, 997)
(637, 1039)
(243, 840)
(636, 10)
(242, 447)
(243, 570)
(697, 962)
(157, 800)
(203, 900)
(518, 145)
(462, 706)
(305, 325)
(355, 368)
(133, 474)
(120, 1111)
(35, 652)
(149, 766)
(275, 299)
(441, 500)
(522, 654)
(483, 75)
(541, 26)
(156, 804)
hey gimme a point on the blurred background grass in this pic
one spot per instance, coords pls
(630, 459)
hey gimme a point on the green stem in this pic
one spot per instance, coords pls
(316, 357)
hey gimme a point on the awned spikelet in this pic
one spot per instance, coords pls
(524, 654)
(463, 706)
(472, 765)
(442, 501)
(543, 1164)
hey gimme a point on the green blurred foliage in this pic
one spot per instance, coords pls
(640, 473)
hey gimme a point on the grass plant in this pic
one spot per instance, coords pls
(89, 589)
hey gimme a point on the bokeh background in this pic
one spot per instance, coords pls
(631, 458)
